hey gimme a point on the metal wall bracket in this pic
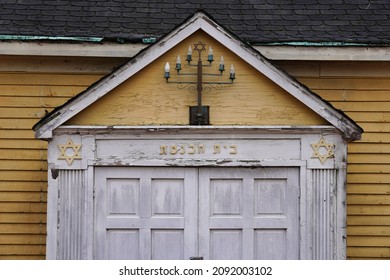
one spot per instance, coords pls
(199, 115)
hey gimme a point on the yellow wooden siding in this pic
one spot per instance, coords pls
(30, 87)
(146, 98)
(362, 91)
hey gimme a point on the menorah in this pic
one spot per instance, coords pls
(199, 115)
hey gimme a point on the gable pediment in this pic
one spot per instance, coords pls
(137, 94)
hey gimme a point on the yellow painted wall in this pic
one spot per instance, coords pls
(362, 91)
(28, 88)
(146, 99)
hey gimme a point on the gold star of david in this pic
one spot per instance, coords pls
(322, 144)
(69, 145)
(199, 47)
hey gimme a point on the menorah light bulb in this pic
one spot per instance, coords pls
(222, 64)
(178, 63)
(232, 73)
(189, 54)
(167, 70)
(210, 57)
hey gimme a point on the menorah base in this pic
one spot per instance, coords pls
(199, 118)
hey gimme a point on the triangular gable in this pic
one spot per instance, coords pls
(146, 99)
(44, 128)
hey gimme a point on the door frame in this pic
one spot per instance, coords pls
(276, 146)
(196, 230)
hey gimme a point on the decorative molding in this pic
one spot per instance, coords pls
(319, 154)
(71, 210)
(69, 145)
(324, 185)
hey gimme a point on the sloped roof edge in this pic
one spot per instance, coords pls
(199, 21)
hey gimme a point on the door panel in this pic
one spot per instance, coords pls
(270, 244)
(167, 244)
(249, 213)
(123, 244)
(140, 213)
(168, 197)
(222, 239)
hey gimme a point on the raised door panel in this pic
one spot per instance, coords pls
(140, 213)
(249, 213)
(270, 244)
(226, 244)
(167, 244)
(122, 244)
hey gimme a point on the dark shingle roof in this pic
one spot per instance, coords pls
(254, 21)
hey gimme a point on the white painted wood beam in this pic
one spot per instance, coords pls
(80, 49)
(85, 49)
(325, 53)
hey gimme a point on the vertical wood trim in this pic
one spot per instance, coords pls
(52, 218)
(305, 234)
(145, 234)
(324, 186)
(71, 214)
(341, 213)
(248, 252)
(191, 203)
(87, 251)
(204, 214)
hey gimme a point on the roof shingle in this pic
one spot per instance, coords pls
(254, 21)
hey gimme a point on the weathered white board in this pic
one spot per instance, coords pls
(136, 151)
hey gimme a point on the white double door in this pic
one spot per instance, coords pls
(180, 213)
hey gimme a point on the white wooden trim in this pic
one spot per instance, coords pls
(87, 250)
(325, 53)
(341, 213)
(305, 235)
(292, 86)
(81, 49)
(273, 52)
(197, 131)
(71, 214)
(248, 54)
(116, 78)
(52, 216)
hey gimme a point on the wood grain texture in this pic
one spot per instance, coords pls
(372, 220)
(22, 229)
(368, 252)
(50, 64)
(369, 230)
(369, 189)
